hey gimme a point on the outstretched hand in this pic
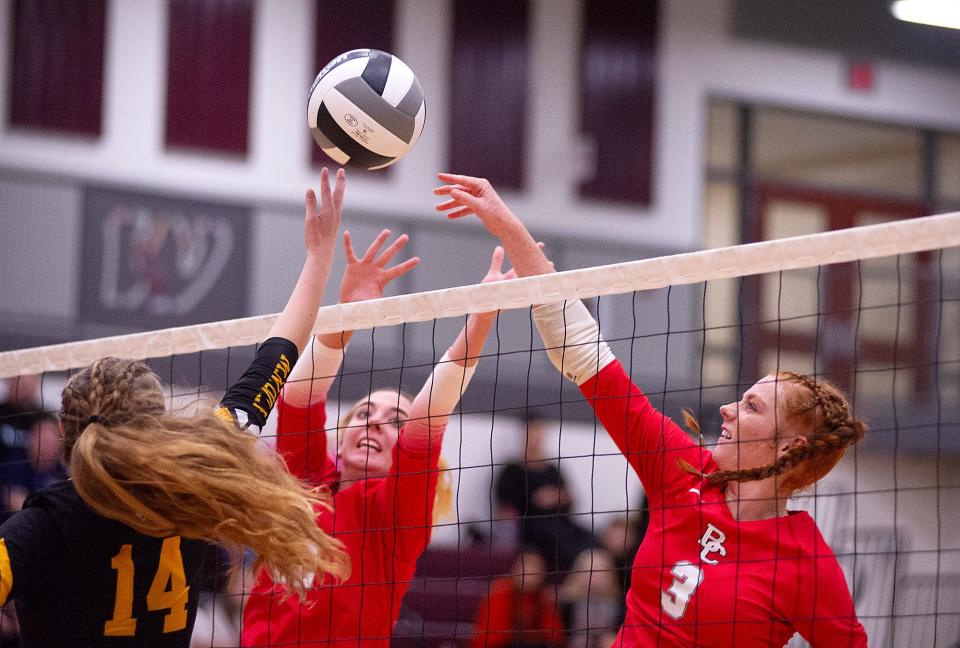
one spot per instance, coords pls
(322, 221)
(367, 277)
(469, 195)
(320, 225)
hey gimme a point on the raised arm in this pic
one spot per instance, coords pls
(441, 393)
(251, 398)
(468, 195)
(570, 334)
(321, 223)
(406, 501)
(573, 341)
(363, 278)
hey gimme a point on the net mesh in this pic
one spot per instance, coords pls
(875, 310)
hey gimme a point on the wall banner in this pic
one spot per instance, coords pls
(153, 261)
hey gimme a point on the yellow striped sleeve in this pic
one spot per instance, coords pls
(6, 573)
(224, 413)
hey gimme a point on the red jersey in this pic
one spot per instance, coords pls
(702, 577)
(384, 524)
(508, 616)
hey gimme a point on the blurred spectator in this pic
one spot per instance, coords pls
(38, 464)
(21, 406)
(533, 491)
(19, 410)
(44, 453)
(221, 594)
(21, 401)
(520, 611)
(622, 537)
(592, 600)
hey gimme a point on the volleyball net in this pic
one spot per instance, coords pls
(875, 310)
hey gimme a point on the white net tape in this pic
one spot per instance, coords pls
(888, 239)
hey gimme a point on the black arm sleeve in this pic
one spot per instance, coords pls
(250, 399)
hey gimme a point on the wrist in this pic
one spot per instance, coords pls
(506, 225)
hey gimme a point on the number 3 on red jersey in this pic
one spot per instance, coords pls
(686, 579)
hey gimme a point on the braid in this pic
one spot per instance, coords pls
(114, 391)
(818, 407)
(112, 402)
(97, 379)
(197, 476)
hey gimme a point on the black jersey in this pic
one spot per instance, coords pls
(80, 579)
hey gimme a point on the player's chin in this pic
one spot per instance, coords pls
(372, 464)
(724, 454)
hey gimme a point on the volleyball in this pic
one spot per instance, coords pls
(366, 109)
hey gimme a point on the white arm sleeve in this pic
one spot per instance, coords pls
(320, 367)
(572, 339)
(443, 389)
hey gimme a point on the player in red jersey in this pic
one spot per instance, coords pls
(113, 556)
(723, 562)
(385, 478)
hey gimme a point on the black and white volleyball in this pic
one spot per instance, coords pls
(366, 109)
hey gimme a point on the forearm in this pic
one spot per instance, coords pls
(441, 393)
(466, 349)
(251, 398)
(572, 339)
(296, 321)
(312, 376)
(525, 255)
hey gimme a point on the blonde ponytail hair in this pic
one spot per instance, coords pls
(198, 476)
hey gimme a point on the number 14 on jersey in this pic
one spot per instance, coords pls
(168, 591)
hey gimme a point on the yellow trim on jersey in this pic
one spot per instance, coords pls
(224, 413)
(6, 573)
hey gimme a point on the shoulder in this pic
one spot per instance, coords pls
(61, 505)
(61, 496)
(803, 524)
(36, 534)
(62, 501)
(805, 536)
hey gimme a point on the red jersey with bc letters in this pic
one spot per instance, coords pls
(384, 524)
(701, 577)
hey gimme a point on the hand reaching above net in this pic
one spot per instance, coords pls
(468, 195)
(367, 277)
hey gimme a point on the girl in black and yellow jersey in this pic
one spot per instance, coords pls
(112, 557)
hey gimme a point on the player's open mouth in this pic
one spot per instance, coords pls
(369, 443)
(725, 434)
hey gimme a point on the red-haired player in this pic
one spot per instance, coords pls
(723, 562)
